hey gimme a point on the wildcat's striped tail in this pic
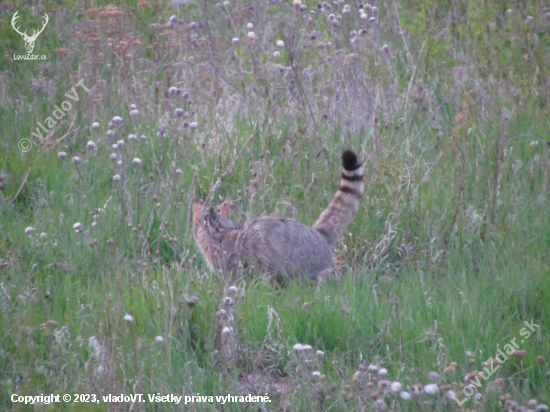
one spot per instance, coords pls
(345, 203)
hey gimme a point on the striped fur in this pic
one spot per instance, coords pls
(345, 203)
(284, 248)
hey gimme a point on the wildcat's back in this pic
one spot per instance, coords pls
(285, 248)
(281, 247)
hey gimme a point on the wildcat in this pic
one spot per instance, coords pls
(283, 248)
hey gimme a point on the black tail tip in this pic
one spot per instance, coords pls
(349, 160)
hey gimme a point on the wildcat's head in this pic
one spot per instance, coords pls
(211, 232)
(210, 219)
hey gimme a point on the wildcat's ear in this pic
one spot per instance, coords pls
(198, 209)
(213, 213)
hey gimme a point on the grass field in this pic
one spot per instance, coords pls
(446, 265)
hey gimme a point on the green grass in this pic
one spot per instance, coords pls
(444, 262)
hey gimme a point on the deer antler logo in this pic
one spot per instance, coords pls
(29, 40)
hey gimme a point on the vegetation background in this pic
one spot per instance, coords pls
(102, 289)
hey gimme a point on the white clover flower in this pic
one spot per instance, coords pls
(235, 40)
(431, 389)
(179, 171)
(121, 143)
(77, 226)
(134, 112)
(136, 161)
(29, 230)
(396, 386)
(227, 330)
(383, 372)
(91, 145)
(76, 160)
(251, 35)
(132, 137)
(159, 339)
(276, 54)
(316, 374)
(117, 120)
(233, 289)
(173, 90)
(95, 125)
(346, 9)
(179, 112)
(61, 155)
(372, 368)
(119, 162)
(372, 19)
(280, 44)
(110, 133)
(133, 107)
(226, 3)
(534, 143)
(128, 318)
(116, 178)
(193, 125)
(43, 235)
(364, 16)
(320, 353)
(115, 146)
(296, 3)
(143, 137)
(249, 26)
(298, 347)
(406, 396)
(173, 19)
(113, 156)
